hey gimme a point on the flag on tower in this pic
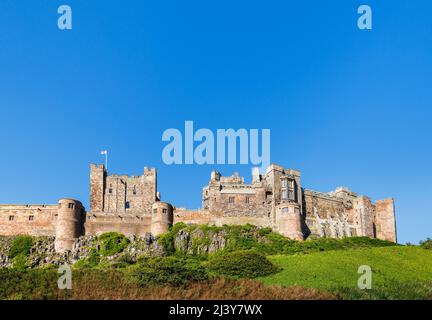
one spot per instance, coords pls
(104, 152)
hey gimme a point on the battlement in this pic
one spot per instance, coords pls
(131, 205)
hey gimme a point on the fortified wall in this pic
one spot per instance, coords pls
(277, 200)
(131, 205)
(64, 220)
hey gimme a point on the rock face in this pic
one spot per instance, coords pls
(43, 253)
(198, 243)
(188, 241)
(5, 244)
(145, 246)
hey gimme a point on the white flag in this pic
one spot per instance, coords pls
(104, 152)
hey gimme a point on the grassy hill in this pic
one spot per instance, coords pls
(208, 262)
(399, 272)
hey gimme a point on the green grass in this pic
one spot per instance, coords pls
(263, 240)
(398, 272)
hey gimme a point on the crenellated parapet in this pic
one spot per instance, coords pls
(131, 205)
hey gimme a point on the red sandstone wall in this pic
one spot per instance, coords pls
(128, 225)
(43, 223)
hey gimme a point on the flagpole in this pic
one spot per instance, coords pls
(105, 152)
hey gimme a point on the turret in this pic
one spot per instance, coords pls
(149, 189)
(215, 176)
(162, 218)
(97, 187)
(288, 220)
(70, 224)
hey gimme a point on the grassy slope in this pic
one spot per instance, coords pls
(333, 270)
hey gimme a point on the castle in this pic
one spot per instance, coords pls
(131, 205)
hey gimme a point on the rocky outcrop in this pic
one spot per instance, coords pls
(42, 252)
(187, 240)
(144, 246)
(198, 242)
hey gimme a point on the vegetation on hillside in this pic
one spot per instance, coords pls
(20, 250)
(242, 264)
(169, 271)
(112, 243)
(263, 240)
(397, 272)
(426, 244)
(196, 260)
(114, 285)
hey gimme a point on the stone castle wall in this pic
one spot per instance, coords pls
(131, 205)
(38, 220)
(121, 203)
(127, 224)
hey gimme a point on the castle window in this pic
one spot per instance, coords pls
(110, 190)
(127, 205)
(11, 218)
(231, 200)
(247, 200)
(291, 190)
(31, 218)
(155, 211)
(71, 205)
(164, 210)
(288, 190)
(134, 190)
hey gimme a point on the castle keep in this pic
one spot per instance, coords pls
(131, 205)
(127, 204)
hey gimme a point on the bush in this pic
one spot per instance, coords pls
(263, 240)
(169, 271)
(21, 245)
(27, 285)
(426, 244)
(392, 290)
(20, 262)
(167, 239)
(90, 262)
(123, 261)
(242, 264)
(112, 243)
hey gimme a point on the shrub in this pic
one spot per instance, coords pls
(242, 264)
(20, 262)
(169, 271)
(21, 245)
(392, 290)
(426, 244)
(112, 243)
(167, 239)
(29, 284)
(123, 261)
(90, 262)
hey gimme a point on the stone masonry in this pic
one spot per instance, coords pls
(131, 205)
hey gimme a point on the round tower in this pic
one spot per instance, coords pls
(70, 224)
(162, 218)
(288, 220)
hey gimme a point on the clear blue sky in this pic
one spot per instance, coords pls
(346, 107)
